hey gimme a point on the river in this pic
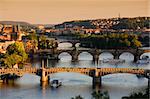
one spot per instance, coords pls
(73, 84)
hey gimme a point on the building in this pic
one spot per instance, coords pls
(1, 26)
(4, 45)
(11, 32)
(41, 27)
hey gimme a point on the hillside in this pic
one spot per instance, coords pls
(112, 23)
(14, 22)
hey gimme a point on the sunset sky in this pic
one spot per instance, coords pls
(57, 11)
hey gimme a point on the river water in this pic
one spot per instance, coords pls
(73, 84)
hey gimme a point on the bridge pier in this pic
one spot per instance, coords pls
(96, 79)
(74, 57)
(95, 58)
(116, 56)
(44, 81)
(97, 82)
(136, 58)
(44, 76)
(74, 45)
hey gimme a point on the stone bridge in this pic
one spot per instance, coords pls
(95, 73)
(72, 42)
(75, 52)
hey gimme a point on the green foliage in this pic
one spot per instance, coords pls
(32, 42)
(1, 57)
(45, 43)
(11, 60)
(95, 95)
(108, 41)
(100, 95)
(31, 45)
(122, 23)
(77, 97)
(132, 23)
(15, 54)
(32, 36)
(138, 95)
(78, 23)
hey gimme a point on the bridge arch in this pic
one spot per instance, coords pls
(105, 55)
(85, 55)
(32, 74)
(71, 43)
(115, 73)
(62, 70)
(147, 54)
(86, 74)
(124, 78)
(128, 56)
(71, 76)
(22, 73)
(65, 55)
(65, 44)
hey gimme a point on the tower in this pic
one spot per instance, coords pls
(19, 33)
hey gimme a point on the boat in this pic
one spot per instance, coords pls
(113, 61)
(55, 83)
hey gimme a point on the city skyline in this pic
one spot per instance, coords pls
(58, 11)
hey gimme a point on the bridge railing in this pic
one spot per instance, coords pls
(79, 70)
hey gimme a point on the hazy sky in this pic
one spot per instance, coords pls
(57, 11)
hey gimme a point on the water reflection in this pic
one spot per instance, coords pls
(85, 56)
(105, 55)
(65, 56)
(118, 85)
(28, 87)
(128, 57)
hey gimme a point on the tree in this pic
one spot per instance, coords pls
(109, 41)
(15, 54)
(77, 97)
(47, 43)
(32, 42)
(127, 42)
(139, 95)
(136, 43)
(1, 57)
(11, 60)
(31, 45)
(95, 95)
(100, 95)
(32, 36)
(42, 44)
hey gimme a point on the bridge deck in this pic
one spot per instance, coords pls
(98, 71)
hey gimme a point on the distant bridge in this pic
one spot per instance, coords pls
(95, 73)
(75, 52)
(72, 42)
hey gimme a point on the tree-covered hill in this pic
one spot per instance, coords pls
(112, 23)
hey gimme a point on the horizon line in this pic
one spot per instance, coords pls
(74, 20)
